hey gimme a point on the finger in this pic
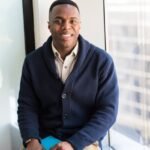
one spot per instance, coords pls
(54, 147)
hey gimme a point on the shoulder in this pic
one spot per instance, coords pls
(98, 53)
(41, 52)
(34, 54)
(32, 60)
(102, 54)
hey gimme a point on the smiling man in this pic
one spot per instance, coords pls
(68, 87)
(64, 25)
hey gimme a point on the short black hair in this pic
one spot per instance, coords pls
(60, 2)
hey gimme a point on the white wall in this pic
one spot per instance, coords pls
(92, 27)
(12, 53)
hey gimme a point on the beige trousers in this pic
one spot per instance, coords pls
(94, 146)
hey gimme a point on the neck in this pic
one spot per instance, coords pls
(64, 51)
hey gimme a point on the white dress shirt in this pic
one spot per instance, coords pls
(64, 67)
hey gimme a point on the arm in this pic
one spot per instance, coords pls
(106, 106)
(27, 106)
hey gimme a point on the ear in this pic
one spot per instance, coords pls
(80, 25)
(48, 23)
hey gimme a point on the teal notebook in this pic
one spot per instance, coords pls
(49, 142)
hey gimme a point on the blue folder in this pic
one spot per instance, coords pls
(49, 142)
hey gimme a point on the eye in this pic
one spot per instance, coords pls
(74, 21)
(58, 21)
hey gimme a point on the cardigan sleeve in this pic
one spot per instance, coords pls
(27, 106)
(105, 109)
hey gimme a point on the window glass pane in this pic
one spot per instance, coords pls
(12, 54)
(128, 41)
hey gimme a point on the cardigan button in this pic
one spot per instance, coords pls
(64, 95)
(65, 116)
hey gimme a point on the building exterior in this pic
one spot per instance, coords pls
(128, 41)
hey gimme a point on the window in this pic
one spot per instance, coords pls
(128, 41)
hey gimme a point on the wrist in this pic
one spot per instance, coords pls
(31, 140)
(71, 144)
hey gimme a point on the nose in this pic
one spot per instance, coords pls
(66, 25)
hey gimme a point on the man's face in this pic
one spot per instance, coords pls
(64, 25)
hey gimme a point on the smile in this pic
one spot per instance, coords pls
(66, 36)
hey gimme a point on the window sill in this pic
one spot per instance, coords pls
(122, 142)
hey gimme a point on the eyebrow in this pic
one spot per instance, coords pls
(59, 17)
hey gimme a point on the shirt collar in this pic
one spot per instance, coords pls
(73, 53)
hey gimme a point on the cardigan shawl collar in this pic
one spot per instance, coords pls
(83, 54)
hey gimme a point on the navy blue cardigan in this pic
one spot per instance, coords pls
(80, 111)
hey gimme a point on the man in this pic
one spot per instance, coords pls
(68, 87)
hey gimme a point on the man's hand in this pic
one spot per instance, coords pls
(63, 146)
(34, 145)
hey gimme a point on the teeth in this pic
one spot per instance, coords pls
(66, 35)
